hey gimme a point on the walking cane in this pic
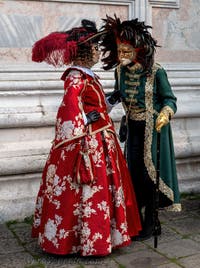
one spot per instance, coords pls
(156, 201)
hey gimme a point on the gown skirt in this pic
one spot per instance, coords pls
(86, 202)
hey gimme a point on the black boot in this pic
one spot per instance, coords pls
(148, 226)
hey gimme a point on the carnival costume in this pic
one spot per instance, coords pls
(149, 103)
(86, 203)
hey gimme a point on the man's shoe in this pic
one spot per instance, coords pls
(142, 237)
(147, 233)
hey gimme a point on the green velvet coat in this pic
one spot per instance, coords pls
(143, 98)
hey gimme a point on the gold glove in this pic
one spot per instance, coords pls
(164, 117)
(162, 120)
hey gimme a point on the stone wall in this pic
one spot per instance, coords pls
(30, 93)
(177, 32)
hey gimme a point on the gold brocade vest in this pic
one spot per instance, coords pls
(134, 86)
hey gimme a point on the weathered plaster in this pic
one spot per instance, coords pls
(177, 31)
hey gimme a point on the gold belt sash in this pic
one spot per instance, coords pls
(140, 114)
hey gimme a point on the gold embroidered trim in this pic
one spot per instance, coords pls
(167, 110)
(139, 114)
(99, 97)
(174, 207)
(68, 140)
(131, 83)
(132, 91)
(136, 67)
(134, 76)
(131, 99)
(149, 135)
(98, 130)
(118, 75)
(136, 109)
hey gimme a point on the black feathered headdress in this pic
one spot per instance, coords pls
(131, 32)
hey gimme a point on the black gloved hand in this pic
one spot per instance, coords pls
(114, 97)
(92, 116)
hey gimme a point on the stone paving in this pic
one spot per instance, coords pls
(178, 246)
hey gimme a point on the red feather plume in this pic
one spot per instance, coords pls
(54, 49)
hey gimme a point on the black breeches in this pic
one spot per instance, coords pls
(144, 187)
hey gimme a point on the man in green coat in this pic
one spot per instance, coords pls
(149, 103)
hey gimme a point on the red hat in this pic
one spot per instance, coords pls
(59, 48)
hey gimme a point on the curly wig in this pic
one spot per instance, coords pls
(132, 32)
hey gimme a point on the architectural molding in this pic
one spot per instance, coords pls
(165, 3)
(136, 8)
(129, 3)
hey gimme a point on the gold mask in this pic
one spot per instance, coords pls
(126, 53)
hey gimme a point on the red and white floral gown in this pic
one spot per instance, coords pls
(94, 217)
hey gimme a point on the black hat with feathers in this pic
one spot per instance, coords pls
(133, 32)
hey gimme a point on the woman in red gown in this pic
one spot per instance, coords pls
(86, 203)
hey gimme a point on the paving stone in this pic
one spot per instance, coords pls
(62, 266)
(189, 208)
(33, 248)
(169, 265)
(23, 232)
(5, 233)
(16, 225)
(167, 235)
(17, 260)
(179, 248)
(107, 264)
(134, 247)
(172, 245)
(191, 262)
(170, 216)
(10, 246)
(54, 265)
(190, 205)
(62, 261)
(196, 237)
(196, 213)
(142, 259)
(188, 226)
(104, 262)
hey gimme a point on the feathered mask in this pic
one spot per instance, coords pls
(132, 32)
(59, 48)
